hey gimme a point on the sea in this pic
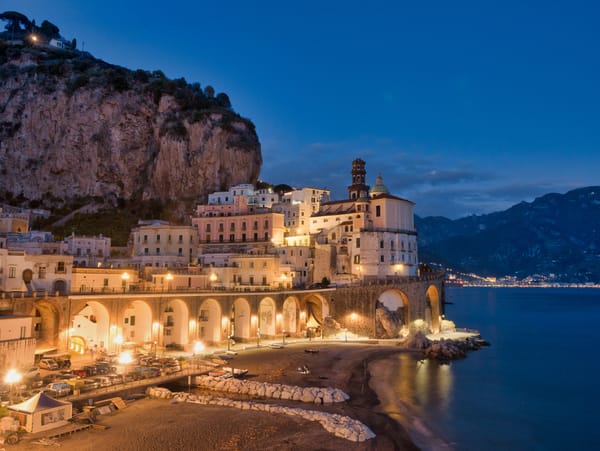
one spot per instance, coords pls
(537, 387)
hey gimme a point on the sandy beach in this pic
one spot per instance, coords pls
(154, 424)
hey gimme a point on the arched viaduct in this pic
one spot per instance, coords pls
(79, 322)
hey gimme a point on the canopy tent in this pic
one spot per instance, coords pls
(41, 412)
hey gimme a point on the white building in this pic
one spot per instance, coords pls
(160, 244)
(370, 236)
(88, 251)
(32, 273)
(17, 344)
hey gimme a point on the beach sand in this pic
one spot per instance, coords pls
(150, 424)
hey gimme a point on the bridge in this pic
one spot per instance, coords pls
(80, 322)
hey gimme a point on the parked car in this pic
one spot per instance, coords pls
(48, 364)
(116, 378)
(89, 384)
(104, 381)
(172, 367)
(105, 368)
(62, 360)
(58, 389)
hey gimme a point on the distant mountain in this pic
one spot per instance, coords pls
(555, 234)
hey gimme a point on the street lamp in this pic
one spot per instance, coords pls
(213, 278)
(11, 378)
(118, 342)
(169, 278)
(198, 348)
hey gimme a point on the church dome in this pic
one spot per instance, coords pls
(379, 187)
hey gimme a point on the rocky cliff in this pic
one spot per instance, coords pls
(72, 126)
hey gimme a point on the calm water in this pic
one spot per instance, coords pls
(536, 388)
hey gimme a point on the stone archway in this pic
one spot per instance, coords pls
(266, 317)
(241, 319)
(391, 313)
(137, 323)
(433, 309)
(46, 325)
(317, 309)
(175, 320)
(60, 286)
(209, 321)
(290, 315)
(90, 328)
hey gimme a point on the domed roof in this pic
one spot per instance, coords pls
(379, 187)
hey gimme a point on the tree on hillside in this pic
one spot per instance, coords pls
(17, 22)
(223, 100)
(50, 30)
(209, 92)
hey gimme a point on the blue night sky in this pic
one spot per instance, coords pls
(465, 107)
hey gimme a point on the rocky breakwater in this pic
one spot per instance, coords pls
(445, 349)
(339, 425)
(314, 395)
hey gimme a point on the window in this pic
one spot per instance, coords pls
(232, 227)
(251, 280)
(251, 264)
(158, 238)
(381, 244)
(145, 238)
(357, 259)
(266, 236)
(145, 251)
(244, 225)
(264, 280)
(256, 237)
(266, 223)
(358, 243)
(208, 227)
(381, 258)
(180, 252)
(221, 227)
(255, 225)
(208, 238)
(243, 237)
(221, 238)
(105, 283)
(181, 237)
(157, 250)
(232, 237)
(60, 267)
(42, 272)
(378, 210)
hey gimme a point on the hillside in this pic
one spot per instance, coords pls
(75, 130)
(555, 234)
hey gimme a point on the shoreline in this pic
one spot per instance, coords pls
(348, 366)
(399, 411)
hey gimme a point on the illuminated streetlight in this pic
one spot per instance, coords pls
(11, 378)
(118, 342)
(169, 278)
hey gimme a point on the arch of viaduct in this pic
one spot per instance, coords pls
(106, 321)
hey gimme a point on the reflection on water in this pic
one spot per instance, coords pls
(422, 384)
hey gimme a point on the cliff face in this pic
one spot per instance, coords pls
(72, 126)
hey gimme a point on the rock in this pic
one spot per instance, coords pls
(98, 141)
